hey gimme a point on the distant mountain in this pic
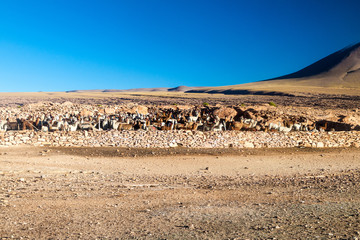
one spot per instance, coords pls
(176, 89)
(340, 70)
(181, 89)
(80, 91)
(337, 65)
(337, 73)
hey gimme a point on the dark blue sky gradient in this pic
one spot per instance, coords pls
(65, 45)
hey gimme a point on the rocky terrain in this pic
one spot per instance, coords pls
(188, 139)
(182, 184)
(340, 119)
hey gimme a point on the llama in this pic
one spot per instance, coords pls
(59, 125)
(3, 125)
(86, 125)
(72, 127)
(218, 127)
(235, 125)
(193, 118)
(125, 126)
(12, 125)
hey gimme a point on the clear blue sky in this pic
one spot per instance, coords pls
(65, 45)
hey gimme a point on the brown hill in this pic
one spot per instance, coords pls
(181, 89)
(337, 73)
(175, 89)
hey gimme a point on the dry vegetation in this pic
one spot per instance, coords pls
(328, 99)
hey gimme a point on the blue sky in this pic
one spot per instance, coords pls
(65, 45)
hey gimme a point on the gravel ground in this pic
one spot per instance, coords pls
(108, 193)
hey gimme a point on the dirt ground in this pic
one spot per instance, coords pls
(315, 100)
(109, 193)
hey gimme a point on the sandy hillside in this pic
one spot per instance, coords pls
(338, 73)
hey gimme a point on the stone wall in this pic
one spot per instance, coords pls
(193, 139)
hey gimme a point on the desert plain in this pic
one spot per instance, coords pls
(50, 190)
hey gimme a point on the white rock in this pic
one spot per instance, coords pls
(248, 145)
(172, 144)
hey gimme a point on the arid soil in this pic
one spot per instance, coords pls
(109, 193)
(182, 193)
(315, 100)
